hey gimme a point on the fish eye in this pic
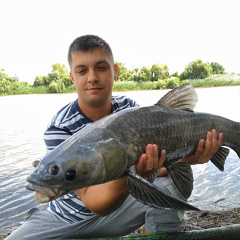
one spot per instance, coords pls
(54, 169)
(35, 163)
(70, 174)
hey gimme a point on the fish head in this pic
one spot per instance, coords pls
(66, 170)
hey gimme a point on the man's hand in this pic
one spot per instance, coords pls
(206, 149)
(149, 162)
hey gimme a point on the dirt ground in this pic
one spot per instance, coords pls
(210, 219)
(198, 220)
(207, 219)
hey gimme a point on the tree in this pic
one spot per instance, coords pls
(42, 81)
(196, 69)
(159, 71)
(133, 75)
(175, 75)
(4, 76)
(145, 74)
(122, 72)
(59, 73)
(56, 87)
(217, 68)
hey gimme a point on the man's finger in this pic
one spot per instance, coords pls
(199, 149)
(150, 158)
(162, 158)
(214, 138)
(155, 157)
(220, 139)
(208, 144)
(141, 164)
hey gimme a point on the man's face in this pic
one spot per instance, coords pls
(92, 74)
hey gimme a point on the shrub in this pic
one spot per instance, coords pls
(56, 87)
(172, 82)
(196, 70)
(217, 68)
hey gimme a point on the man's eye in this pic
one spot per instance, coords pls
(81, 71)
(102, 68)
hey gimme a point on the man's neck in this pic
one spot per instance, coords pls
(95, 113)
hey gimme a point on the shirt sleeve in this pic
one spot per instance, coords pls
(54, 136)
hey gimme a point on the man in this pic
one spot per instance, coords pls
(105, 210)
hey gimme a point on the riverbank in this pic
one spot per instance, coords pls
(196, 220)
(214, 80)
(207, 219)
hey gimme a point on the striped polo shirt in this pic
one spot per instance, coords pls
(69, 120)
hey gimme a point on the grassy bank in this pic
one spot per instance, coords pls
(211, 81)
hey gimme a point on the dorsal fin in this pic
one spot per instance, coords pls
(183, 97)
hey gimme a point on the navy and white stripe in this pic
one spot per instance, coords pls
(69, 120)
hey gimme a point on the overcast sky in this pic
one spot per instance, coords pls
(37, 33)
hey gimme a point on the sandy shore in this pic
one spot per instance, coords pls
(197, 220)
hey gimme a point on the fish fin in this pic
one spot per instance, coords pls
(149, 194)
(182, 176)
(183, 98)
(153, 177)
(218, 159)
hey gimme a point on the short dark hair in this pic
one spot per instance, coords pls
(86, 43)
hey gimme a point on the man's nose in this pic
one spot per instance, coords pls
(92, 76)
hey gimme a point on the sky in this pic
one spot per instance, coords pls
(37, 33)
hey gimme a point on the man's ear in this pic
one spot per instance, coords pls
(72, 78)
(115, 71)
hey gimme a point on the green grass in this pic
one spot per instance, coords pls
(217, 80)
(211, 81)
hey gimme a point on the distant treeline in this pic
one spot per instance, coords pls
(199, 74)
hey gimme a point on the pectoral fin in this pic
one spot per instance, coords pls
(182, 176)
(149, 194)
(218, 159)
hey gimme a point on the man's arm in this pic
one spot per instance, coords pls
(105, 198)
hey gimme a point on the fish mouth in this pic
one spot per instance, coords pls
(44, 194)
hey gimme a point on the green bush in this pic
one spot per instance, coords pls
(172, 82)
(67, 82)
(56, 87)
(217, 68)
(196, 70)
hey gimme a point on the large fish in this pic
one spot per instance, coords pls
(108, 149)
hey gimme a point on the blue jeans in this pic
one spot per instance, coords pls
(43, 224)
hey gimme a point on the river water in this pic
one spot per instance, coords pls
(24, 118)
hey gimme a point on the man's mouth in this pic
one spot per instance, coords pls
(93, 89)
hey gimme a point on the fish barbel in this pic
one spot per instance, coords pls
(109, 148)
